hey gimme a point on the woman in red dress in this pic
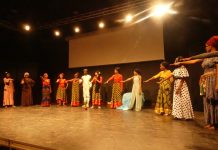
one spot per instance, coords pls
(116, 99)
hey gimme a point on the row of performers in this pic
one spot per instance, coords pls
(182, 107)
(87, 82)
(179, 107)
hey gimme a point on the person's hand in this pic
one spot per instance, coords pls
(159, 82)
(146, 81)
(176, 64)
(106, 82)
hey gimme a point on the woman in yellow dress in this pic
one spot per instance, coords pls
(163, 104)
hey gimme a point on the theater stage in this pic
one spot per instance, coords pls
(73, 128)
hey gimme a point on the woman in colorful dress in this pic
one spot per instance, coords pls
(61, 96)
(209, 83)
(75, 90)
(116, 99)
(136, 90)
(96, 89)
(163, 104)
(182, 106)
(27, 84)
(8, 91)
(46, 90)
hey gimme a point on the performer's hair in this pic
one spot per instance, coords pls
(61, 74)
(138, 71)
(118, 69)
(7, 73)
(99, 73)
(165, 64)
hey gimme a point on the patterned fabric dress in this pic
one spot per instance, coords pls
(26, 96)
(8, 92)
(75, 93)
(116, 99)
(46, 91)
(96, 92)
(61, 96)
(163, 104)
(210, 96)
(182, 106)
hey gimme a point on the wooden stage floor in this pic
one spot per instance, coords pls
(105, 129)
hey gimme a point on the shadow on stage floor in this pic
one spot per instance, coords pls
(102, 129)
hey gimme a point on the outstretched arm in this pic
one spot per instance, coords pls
(189, 62)
(150, 79)
(167, 78)
(205, 55)
(127, 79)
(111, 78)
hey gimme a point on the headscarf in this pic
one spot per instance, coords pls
(26, 74)
(213, 41)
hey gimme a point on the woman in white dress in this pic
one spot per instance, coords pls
(136, 90)
(182, 106)
(8, 91)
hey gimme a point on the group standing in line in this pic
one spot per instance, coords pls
(180, 106)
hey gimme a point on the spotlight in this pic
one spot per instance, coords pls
(77, 29)
(26, 27)
(57, 33)
(162, 9)
(128, 18)
(101, 25)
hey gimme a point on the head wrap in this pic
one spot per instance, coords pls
(26, 74)
(213, 41)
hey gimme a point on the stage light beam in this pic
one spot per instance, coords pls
(162, 9)
(128, 18)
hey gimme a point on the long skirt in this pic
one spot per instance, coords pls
(61, 96)
(182, 106)
(96, 96)
(163, 104)
(8, 96)
(46, 98)
(26, 97)
(210, 100)
(75, 95)
(116, 99)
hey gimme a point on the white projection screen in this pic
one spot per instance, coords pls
(136, 43)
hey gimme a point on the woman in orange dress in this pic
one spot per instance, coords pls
(75, 90)
(116, 99)
(61, 96)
